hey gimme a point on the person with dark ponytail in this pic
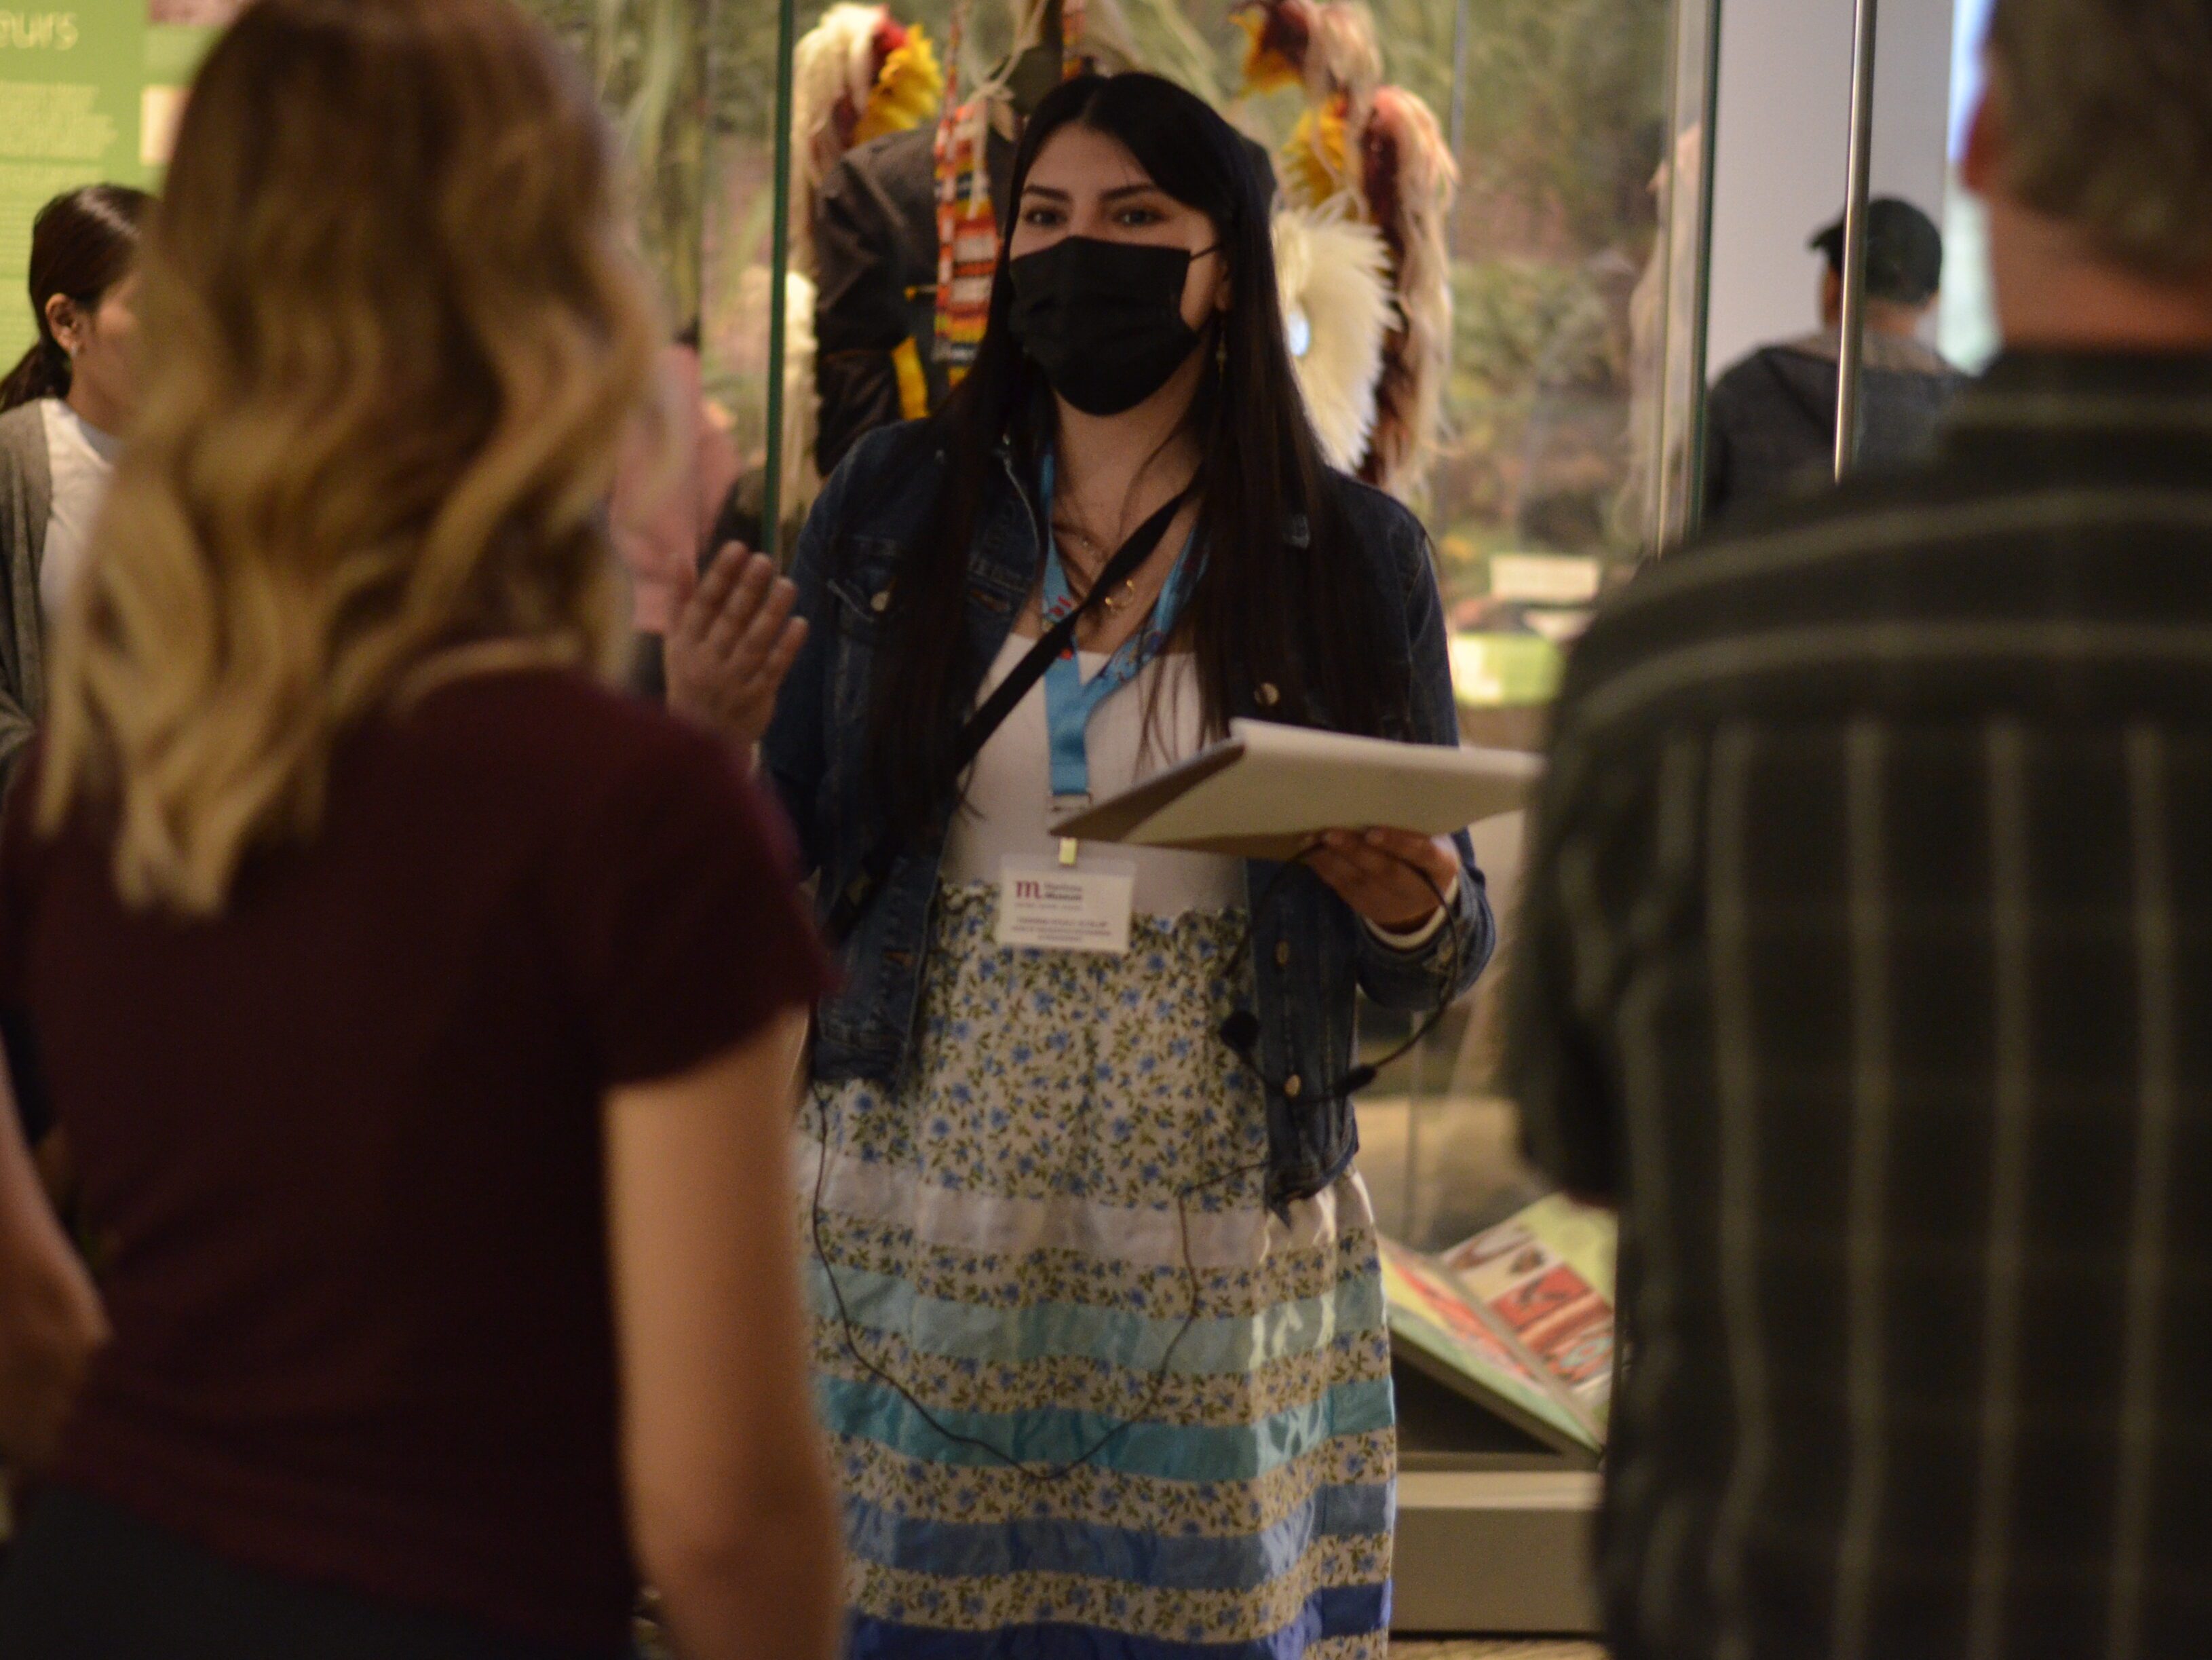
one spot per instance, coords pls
(65, 405)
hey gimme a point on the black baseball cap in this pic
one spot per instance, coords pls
(1905, 252)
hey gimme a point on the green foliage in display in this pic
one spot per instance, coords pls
(1564, 102)
(651, 63)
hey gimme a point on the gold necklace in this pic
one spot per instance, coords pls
(1123, 596)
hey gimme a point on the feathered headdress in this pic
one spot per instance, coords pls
(858, 74)
(1377, 150)
(1094, 36)
(1333, 274)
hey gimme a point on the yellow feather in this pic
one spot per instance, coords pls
(912, 383)
(1265, 69)
(906, 93)
(1313, 160)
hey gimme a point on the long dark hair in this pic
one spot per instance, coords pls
(1269, 608)
(82, 243)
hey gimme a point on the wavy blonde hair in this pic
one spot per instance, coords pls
(392, 338)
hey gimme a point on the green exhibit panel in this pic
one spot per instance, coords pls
(72, 86)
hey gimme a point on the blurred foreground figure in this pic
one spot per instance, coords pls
(1869, 961)
(418, 1008)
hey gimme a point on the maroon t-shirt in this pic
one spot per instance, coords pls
(341, 1148)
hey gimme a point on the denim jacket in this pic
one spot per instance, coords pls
(1310, 951)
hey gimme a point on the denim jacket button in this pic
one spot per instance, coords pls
(1293, 1087)
(1283, 955)
(882, 602)
(1267, 695)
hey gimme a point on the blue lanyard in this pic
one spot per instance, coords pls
(1070, 701)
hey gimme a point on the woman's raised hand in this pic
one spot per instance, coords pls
(732, 641)
(1380, 873)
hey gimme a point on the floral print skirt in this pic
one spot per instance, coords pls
(1087, 1397)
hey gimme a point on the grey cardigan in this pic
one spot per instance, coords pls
(26, 499)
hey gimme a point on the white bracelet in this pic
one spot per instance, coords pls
(1428, 930)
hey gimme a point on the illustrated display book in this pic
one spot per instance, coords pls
(1518, 1319)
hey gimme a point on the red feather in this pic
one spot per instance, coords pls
(890, 34)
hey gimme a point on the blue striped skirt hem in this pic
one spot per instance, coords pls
(1341, 1611)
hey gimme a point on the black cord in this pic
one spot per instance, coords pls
(1241, 1031)
(1242, 1039)
(1057, 1472)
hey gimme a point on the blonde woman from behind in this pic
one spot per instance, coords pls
(417, 1008)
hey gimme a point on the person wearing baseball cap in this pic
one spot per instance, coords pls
(1771, 419)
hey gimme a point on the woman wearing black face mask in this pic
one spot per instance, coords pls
(1099, 1319)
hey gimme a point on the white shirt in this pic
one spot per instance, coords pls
(1152, 723)
(81, 459)
(1010, 808)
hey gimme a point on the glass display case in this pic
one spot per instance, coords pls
(1562, 295)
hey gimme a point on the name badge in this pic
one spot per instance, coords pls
(1047, 905)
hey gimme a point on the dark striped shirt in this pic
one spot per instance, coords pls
(1867, 963)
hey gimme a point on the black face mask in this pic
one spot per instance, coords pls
(1103, 319)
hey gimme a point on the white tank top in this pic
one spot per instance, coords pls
(1010, 807)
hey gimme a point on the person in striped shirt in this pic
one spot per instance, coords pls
(1867, 962)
